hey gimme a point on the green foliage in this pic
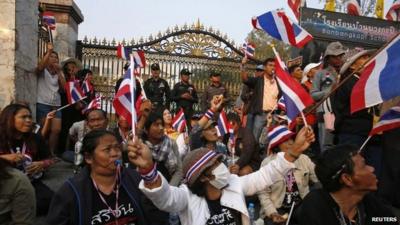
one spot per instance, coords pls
(262, 41)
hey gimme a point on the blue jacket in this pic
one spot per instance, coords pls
(72, 203)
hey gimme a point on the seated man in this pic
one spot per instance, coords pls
(246, 148)
(95, 119)
(346, 196)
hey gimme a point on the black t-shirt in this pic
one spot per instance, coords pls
(220, 215)
(101, 215)
(292, 193)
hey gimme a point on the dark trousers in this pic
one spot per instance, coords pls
(43, 197)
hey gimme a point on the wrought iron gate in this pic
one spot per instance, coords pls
(195, 47)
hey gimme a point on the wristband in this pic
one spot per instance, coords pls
(150, 175)
(209, 114)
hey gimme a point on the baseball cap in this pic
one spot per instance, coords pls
(335, 49)
(185, 71)
(155, 66)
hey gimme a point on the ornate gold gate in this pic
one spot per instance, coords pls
(195, 47)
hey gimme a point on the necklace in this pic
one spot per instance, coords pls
(115, 212)
(342, 219)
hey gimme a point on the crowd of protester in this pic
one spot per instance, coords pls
(312, 174)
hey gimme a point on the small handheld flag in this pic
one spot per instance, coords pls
(74, 92)
(179, 122)
(49, 20)
(248, 49)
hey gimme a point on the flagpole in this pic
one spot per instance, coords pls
(50, 34)
(133, 82)
(364, 144)
(290, 214)
(304, 119)
(66, 106)
(334, 89)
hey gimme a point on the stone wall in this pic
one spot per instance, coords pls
(18, 38)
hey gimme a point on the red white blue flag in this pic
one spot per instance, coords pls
(94, 104)
(295, 96)
(380, 80)
(353, 7)
(282, 104)
(87, 87)
(140, 60)
(74, 92)
(224, 127)
(279, 26)
(277, 135)
(389, 120)
(248, 49)
(49, 20)
(295, 6)
(123, 52)
(393, 13)
(123, 103)
(179, 121)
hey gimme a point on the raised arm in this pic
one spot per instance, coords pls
(45, 61)
(243, 72)
(153, 184)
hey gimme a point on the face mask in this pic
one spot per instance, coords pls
(221, 174)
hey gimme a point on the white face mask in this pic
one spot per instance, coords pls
(221, 174)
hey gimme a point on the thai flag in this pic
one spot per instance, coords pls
(295, 96)
(389, 120)
(279, 26)
(295, 6)
(94, 104)
(140, 61)
(223, 125)
(353, 7)
(87, 87)
(282, 104)
(123, 103)
(248, 49)
(74, 92)
(179, 121)
(393, 13)
(49, 20)
(123, 52)
(380, 79)
(277, 135)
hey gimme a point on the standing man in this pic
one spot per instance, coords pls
(296, 72)
(185, 95)
(157, 89)
(323, 82)
(215, 88)
(266, 95)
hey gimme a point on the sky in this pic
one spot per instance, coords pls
(134, 19)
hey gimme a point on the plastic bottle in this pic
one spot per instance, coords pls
(28, 161)
(251, 213)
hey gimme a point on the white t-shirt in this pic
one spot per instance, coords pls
(48, 89)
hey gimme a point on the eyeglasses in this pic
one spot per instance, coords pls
(344, 165)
